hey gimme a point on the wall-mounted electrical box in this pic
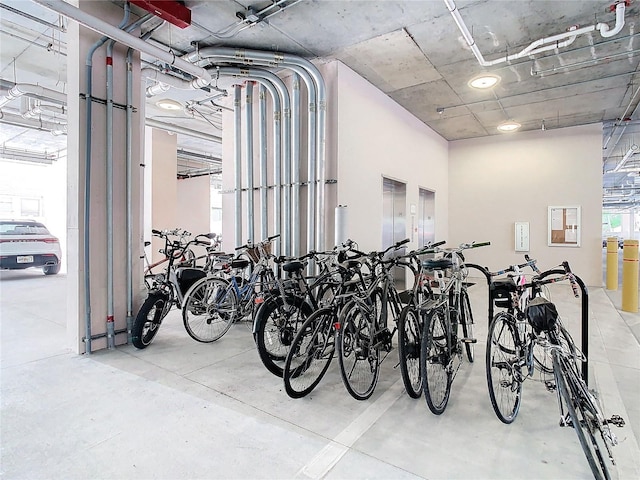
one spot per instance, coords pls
(522, 236)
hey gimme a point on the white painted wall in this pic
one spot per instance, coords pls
(499, 180)
(376, 137)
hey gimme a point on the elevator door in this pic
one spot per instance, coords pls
(426, 217)
(394, 220)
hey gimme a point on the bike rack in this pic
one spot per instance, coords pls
(584, 297)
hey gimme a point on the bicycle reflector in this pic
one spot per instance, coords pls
(541, 314)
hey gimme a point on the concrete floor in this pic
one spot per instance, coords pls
(184, 410)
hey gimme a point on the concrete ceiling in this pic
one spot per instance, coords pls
(411, 50)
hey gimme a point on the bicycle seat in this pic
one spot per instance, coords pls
(294, 266)
(239, 263)
(439, 264)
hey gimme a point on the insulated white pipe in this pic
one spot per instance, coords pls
(540, 45)
(35, 109)
(32, 91)
(604, 28)
(202, 76)
(166, 81)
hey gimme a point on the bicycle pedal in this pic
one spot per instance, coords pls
(469, 340)
(616, 420)
(551, 387)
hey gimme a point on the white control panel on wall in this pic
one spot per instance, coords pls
(522, 236)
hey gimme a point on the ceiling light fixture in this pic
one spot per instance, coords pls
(484, 81)
(509, 126)
(169, 104)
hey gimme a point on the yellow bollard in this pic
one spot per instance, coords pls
(612, 263)
(630, 276)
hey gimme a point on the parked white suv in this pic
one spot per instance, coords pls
(27, 243)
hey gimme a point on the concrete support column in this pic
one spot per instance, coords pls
(80, 40)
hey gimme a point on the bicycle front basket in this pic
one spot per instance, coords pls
(253, 254)
(266, 248)
(541, 314)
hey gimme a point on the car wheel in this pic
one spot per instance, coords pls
(51, 269)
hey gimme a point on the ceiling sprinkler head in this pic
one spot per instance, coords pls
(440, 110)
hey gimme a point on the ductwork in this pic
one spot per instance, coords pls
(542, 45)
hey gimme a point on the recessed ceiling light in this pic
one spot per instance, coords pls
(484, 81)
(509, 126)
(169, 104)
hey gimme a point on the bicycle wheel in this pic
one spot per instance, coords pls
(583, 417)
(467, 323)
(542, 357)
(409, 333)
(310, 353)
(358, 352)
(209, 309)
(277, 324)
(148, 320)
(435, 354)
(503, 359)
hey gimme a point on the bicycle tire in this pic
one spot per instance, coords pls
(209, 309)
(583, 423)
(467, 323)
(310, 353)
(147, 322)
(435, 354)
(503, 355)
(277, 323)
(409, 334)
(542, 358)
(358, 353)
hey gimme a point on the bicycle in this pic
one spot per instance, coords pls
(510, 360)
(168, 288)
(214, 303)
(364, 325)
(511, 347)
(410, 323)
(186, 259)
(441, 347)
(285, 309)
(313, 347)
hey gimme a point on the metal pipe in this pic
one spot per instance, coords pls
(111, 340)
(262, 148)
(237, 158)
(295, 165)
(280, 96)
(129, 176)
(31, 90)
(315, 83)
(34, 18)
(100, 26)
(248, 116)
(182, 130)
(540, 45)
(129, 193)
